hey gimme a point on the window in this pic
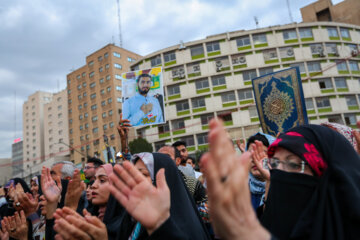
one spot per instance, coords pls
(100, 58)
(197, 50)
(340, 83)
(86, 125)
(111, 125)
(119, 100)
(159, 145)
(201, 84)
(332, 32)
(198, 102)
(83, 74)
(79, 87)
(81, 127)
(95, 130)
(352, 47)
(189, 140)
(164, 128)
(69, 91)
(228, 97)
(309, 103)
(102, 91)
(354, 66)
(248, 75)
(84, 94)
(245, 94)
(300, 65)
(316, 48)
(80, 116)
(314, 66)
(101, 80)
(202, 138)
(182, 106)
(92, 85)
(70, 101)
(107, 66)
(81, 138)
(85, 105)
(91, 63)
(351, 101)
(287, 52)
(170, 56)
(331, 48)
(212, 47)
(218, 80)
(105, 126)
(305, 32)
(70, 121)
(117, 55)
(93, 107)
(108, 77)
(92, 96)
(118, 88)
(84, 84)
(344, 33)
(109, 100)
(178, 124)
(322, 102)
(94, 118)
(264, 71)
(104, 115)
(225, 116)
(118, 66)
(243, 41)
(91, 74)
(155, 61)
(110, 112)
(259, 38)
(206, 118)
(86, 115)
(80, 107)
(78, 77)
(350, 119)
(106, 55)
(101, 69)
(341, 66)
(325, 83)
(253, 112)
(117, 76)
(108, 89)
(112, 136)
(129, 59)
(289, 34)
(270, 54)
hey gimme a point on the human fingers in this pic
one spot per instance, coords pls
(134, 172)
(86, 213)
(59, 237)
(85, 225)
(58, 182)
(124, 175)
(68, 231)
(70, 212)
(17, 219)
(212, 175)
(161, 180)
(22, 217)
(119, 195)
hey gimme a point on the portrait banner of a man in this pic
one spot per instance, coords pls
(143, 97)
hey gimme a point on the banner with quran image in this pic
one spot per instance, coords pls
(280, 100)
(143, 97)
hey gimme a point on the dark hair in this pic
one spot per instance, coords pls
(192, 159)
(179, 143)
(96, 161)
(258, 137)
(177, 153)
(143, 76)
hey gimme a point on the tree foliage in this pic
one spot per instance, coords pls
(140, 145)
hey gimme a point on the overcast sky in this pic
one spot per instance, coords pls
(42, 40)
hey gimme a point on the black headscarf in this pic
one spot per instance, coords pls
(183, 212)
(312, 207)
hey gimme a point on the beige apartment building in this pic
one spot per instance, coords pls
(213, 77)
(33, 131)
(56, 127)
(94, 101)
(346, 11)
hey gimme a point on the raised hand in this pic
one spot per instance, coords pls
(258, 158)
(50, 190)
(241, 144)
(28, 203)
(4, 235)
(16, 226)
(70, 225)
(74, 190)
(146, 203)
(228, 189)
(123, 127)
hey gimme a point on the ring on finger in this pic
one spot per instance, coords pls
(17, 204)
(13, 230)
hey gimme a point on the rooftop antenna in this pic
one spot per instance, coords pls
(290, 15)
(182, 46)
(256, 21)
(119, 22)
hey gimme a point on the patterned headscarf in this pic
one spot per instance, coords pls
(343, 130)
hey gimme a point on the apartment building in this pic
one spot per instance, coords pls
(212, 77)
(17, 157)
(94, 101)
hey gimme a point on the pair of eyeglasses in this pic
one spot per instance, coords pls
(88, 167)
(288, 166)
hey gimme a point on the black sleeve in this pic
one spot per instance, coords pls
(200, 192)
(168, 230)
(49, 229)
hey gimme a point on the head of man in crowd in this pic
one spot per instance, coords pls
(191, 161)
(90, 167)
(168, 150)
(62, 169)
(181, 146)
(144, 84)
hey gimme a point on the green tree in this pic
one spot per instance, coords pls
(140, 145)
(199, 153)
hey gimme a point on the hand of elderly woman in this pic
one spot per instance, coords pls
(51, 191)
(228, 189)
(28, 203)
(70, 225)
(74, 190)
(146, 203)
(16, 226)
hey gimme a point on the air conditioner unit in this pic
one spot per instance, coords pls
(218, 65)
(290, 52)
(320, 50)
(242, 59)
(175, 73)
(196, 68)
(181, 73)
(235, 60)
(354, 53)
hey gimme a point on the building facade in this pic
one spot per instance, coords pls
(5, 170)
(56, 127)
(212, 77)
(346, 11)
(33, 130)
(94, 101)
(17, 158)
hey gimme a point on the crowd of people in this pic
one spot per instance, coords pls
(301, 184)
